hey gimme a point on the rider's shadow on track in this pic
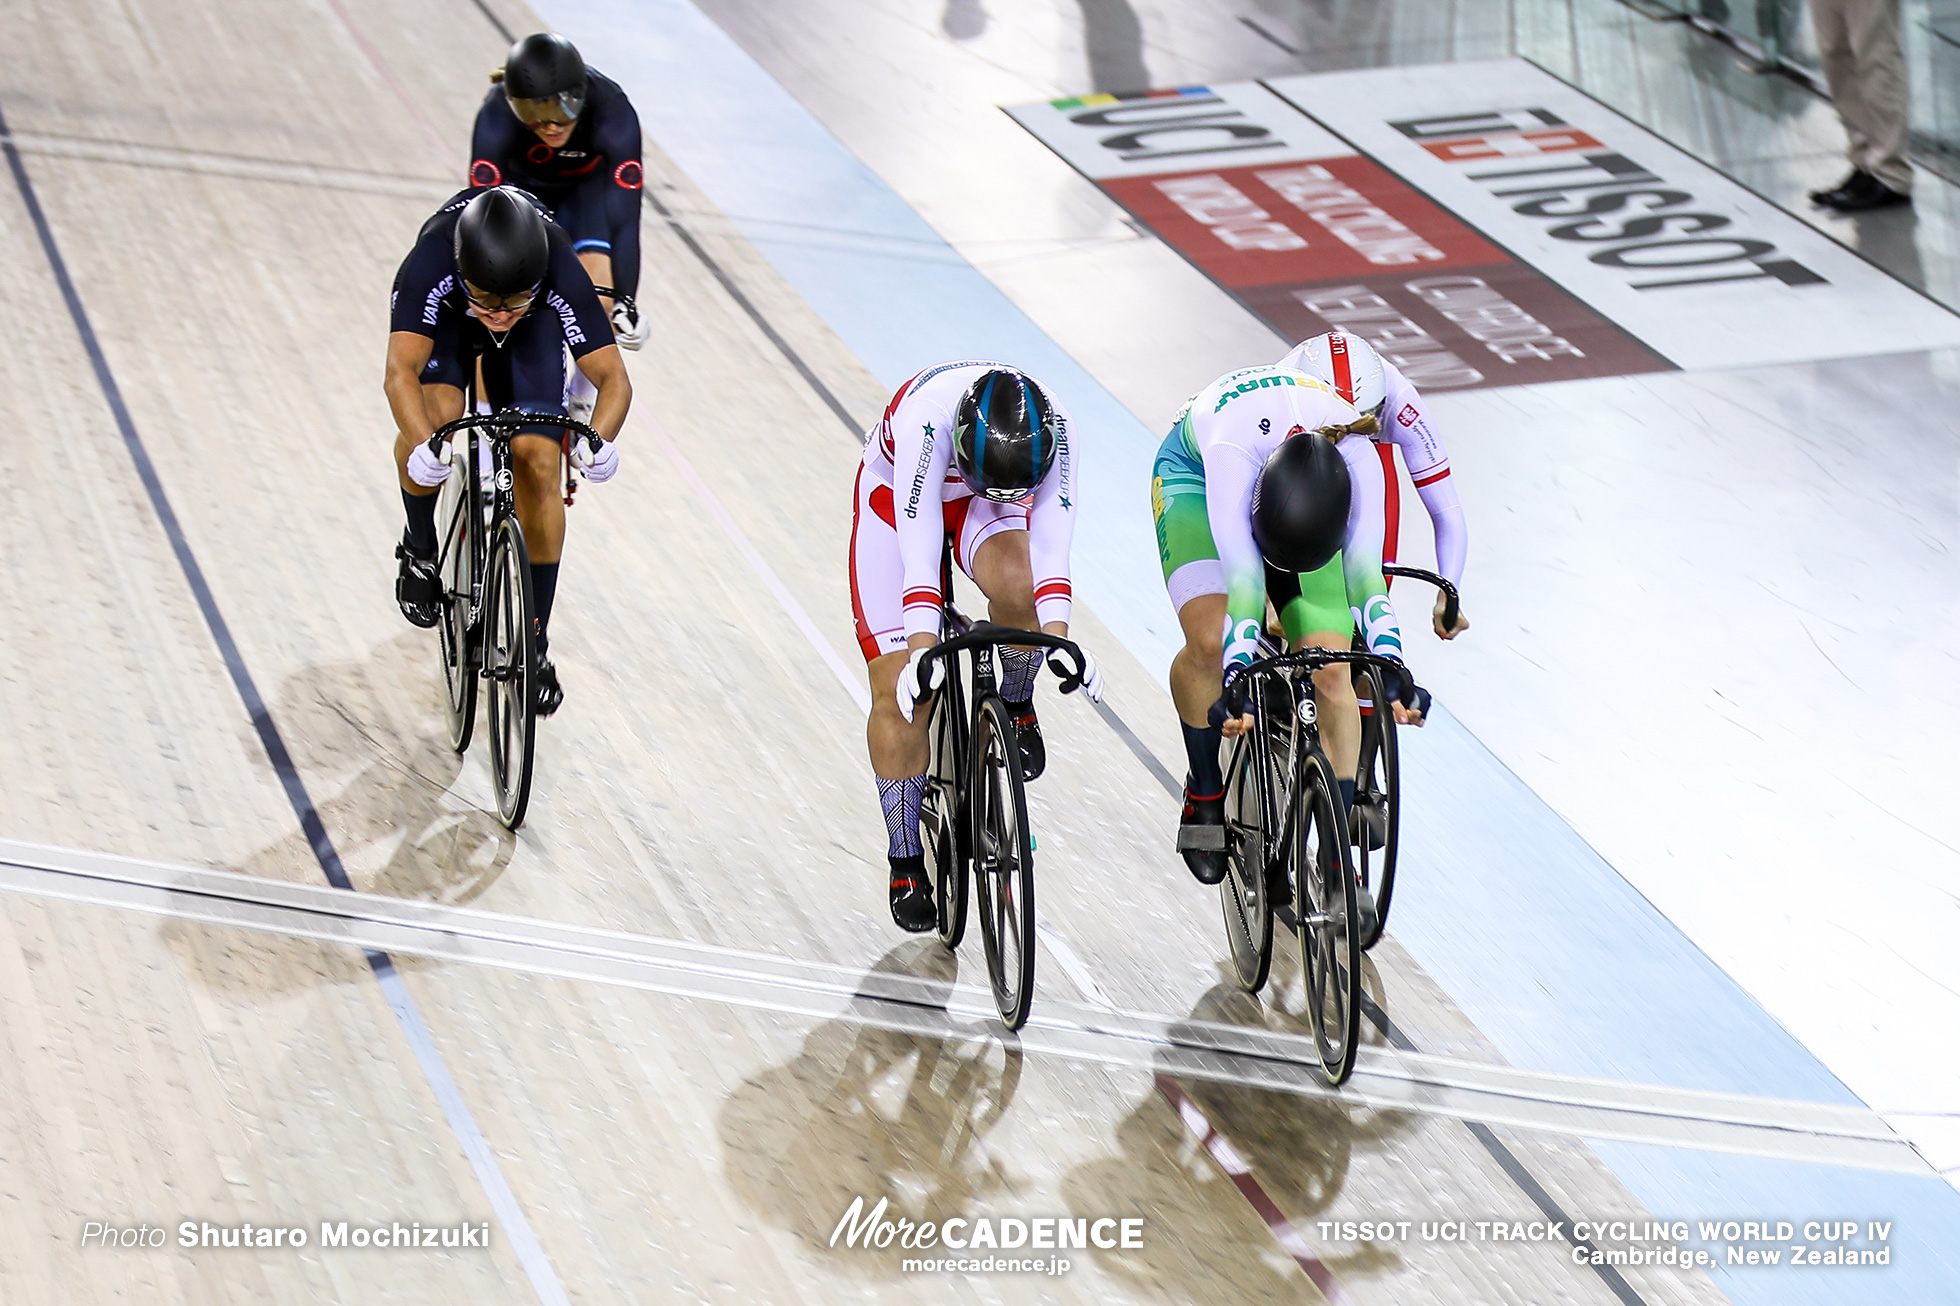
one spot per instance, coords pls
(872, 1113)
(1299, 1149)
(397, 825)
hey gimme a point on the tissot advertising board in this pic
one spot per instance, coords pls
(1482, 224)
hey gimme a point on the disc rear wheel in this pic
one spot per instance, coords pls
(458, 528)
(1377, 798)
(941, 831)
(1243, 892)
(1330, 946)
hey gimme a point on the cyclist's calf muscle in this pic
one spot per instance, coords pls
(899, 748)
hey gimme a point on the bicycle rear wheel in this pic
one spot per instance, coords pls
(1003, 858)
(1377, 798)
(941, 831)
(1244, 893)
(1330, 947)
(510, 665)
(459, 531)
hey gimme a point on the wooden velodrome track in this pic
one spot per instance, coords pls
(229, 187)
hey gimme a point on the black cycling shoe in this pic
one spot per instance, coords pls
(913, 907)
(1201, 835)
(417, 587)
(545, 693)
(1366, 918)
(1368, 819)
(1034, 753)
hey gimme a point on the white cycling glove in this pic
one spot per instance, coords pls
(628, 329)
(910, 690)
(424, 468)
(598, 466)
(1091, 673)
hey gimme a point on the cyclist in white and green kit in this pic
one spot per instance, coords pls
(1268, 486)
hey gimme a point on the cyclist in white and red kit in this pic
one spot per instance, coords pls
(977, 455)
(1378, 389)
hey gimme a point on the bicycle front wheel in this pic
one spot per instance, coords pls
(510, 665)
(1003, 858)
(1330, 945)
(941, 831)
(1377, 798)
(460, 532)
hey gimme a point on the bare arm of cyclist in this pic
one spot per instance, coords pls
(606, 369)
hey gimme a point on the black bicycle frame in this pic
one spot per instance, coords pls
(500, 427)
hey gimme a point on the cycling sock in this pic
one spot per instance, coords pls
(421, 509)
(1201, 750)
(901, 800)
(1018, 668)
(544, 588)
(1347, 793)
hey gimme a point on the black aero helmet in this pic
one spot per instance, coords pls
(544, 79)
(1300, 505)
(502, 247)
(1005, 433)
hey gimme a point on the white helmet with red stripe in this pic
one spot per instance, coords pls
(1346, 362)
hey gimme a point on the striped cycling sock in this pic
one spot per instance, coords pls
(901, 800)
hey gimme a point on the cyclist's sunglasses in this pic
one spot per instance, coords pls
(485, 302)
(558, 110)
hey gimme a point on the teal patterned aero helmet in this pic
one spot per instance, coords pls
(1005, 434)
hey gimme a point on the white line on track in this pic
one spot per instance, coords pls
(1822, 1133)
(313, 176)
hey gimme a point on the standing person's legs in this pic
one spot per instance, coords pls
(1858, 44)
(1882, 72)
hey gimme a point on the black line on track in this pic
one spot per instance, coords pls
(1507, 1161)
(497, 22)
(851, 424)
(241, 678)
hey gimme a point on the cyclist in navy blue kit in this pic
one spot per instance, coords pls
(568, 135)
(492, 281)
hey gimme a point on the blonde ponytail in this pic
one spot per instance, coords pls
(497, 75)
(1366, 424)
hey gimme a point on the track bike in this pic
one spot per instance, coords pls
(1288, 854)
(487, 621)
(1378, 778)
(973, 820)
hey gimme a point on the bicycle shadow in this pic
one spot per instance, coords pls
(863, 1112)
(396, 820)
(1299, 1149)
